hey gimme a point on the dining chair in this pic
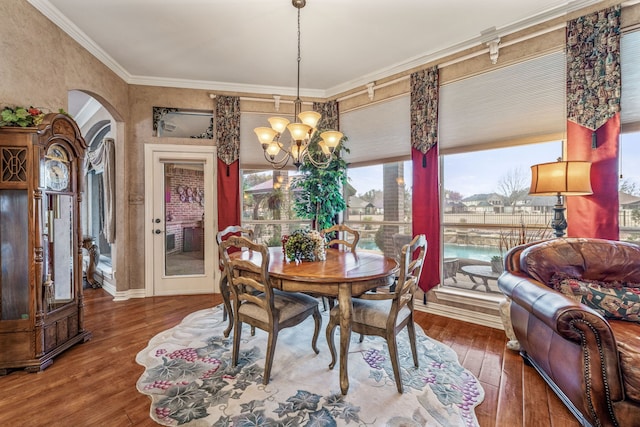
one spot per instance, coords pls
(345, 237)
(270, 310)
(386, 314)
(224, 288)
(399, 240)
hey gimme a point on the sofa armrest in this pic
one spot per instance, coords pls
(557, 311)
(569, 321)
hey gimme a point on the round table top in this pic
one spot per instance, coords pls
(339, 266)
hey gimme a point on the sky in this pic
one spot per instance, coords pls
(480, 171)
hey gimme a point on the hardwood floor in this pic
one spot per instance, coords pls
(93, 384)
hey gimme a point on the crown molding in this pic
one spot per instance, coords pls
(53, 14)
(224, 87)
(483, 38)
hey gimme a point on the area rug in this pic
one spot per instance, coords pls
(190, 380)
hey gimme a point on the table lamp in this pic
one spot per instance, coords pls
(561, 178)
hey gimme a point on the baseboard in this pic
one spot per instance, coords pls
(458, 313)
(109, 288)
(131, 293)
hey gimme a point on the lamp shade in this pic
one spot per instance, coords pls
(331, 138)
(298, 131)
(279, 124)
(570, 178)
(310, 118)
(265, 135)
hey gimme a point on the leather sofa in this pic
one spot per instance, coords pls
(591, 362)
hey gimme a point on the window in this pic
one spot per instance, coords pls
(379, 204)
(267, 204)
(629, 185)
(486, 206)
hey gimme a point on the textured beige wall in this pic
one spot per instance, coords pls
(143, 99)
(39, 64)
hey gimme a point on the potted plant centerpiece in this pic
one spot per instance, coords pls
(305, 245)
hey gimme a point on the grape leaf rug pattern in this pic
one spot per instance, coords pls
(190, 380)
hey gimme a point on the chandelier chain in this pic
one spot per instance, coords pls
(320, 152)
(298, 102)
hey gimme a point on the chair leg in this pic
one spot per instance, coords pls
(236, 343)
(227, 311)
(393, 353)
(327, 303)
(318, 320)
(271, 348)
(411, 328)
(331, 327)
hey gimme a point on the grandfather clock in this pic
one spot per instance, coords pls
(41, 311)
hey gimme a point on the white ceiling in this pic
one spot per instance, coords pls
(251, 46)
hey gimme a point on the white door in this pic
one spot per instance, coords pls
(180, 220)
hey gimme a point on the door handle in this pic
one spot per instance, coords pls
(157, 221)
(158, 231)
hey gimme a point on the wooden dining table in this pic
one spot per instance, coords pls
(342, 275)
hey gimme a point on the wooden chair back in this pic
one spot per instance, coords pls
(257, 303)
(411, 263)
(345, 236)
(245, 288)
(222, 235)
(236, 230)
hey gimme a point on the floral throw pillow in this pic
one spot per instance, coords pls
(614, 303)
(613, 300)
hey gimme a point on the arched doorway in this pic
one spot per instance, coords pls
(96, 125)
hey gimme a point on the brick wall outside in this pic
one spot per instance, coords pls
(184, 190)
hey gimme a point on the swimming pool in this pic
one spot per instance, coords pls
(482, 253)
(451, 250)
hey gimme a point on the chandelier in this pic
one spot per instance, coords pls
(307, 143)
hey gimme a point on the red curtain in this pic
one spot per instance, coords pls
(426, 212)
(228, 194)
(595, 215)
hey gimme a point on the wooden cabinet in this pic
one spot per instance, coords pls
(41, 303)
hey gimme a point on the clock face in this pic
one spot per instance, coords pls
(57, 174)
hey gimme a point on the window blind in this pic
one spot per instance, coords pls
(630, 69)
(520, 103)
(378, 132)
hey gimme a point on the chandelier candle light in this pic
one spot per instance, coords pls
(303, 132)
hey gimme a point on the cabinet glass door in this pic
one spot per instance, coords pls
(14, 255)
(59, 288)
